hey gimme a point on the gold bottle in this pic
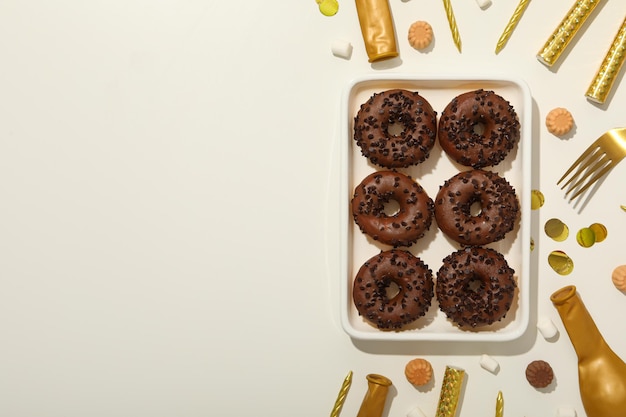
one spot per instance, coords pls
(601, 373)
(377, 28)
(374, 401)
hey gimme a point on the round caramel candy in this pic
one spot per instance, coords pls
(418, 372)
(619, 277)
(559, 121)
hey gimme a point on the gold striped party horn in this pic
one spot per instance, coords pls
(566, 31)
(609, 69)
(450, 392)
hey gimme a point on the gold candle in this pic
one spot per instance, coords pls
(508, 30)
(341, 397)
(566, 30)
(603, 81)
(450, 392)
(377, 29)
(499, 405)
(452, 23)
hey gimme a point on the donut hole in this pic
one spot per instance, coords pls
(391, 208)
(475, 208)
(475, 284)
(479, 128)
(391, 289)
(396, 129)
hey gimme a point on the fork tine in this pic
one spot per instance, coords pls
(600, 163)
(595, 178)
(593, 156)
(592, 148)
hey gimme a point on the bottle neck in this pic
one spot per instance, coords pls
(582, 330)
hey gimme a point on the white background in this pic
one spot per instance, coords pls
(168, 215)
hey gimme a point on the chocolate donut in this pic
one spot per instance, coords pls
(475, 286)
(412, 219)
(392, 289)
(476, 207)
(396, 128)
(478, 129)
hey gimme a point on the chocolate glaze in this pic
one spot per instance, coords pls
(406, 108)
(403, 228)
(414, 281)
(475, 286)
(499, 207)
(467, 145)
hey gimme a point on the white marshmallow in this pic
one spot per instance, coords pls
(341, 49)
(489, 363)
(565, 412)
(483, 3)
(546, 327)
(416, 412)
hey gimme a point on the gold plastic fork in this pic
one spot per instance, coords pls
(597, 160)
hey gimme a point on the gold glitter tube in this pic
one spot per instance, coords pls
(607, 73)
(341, 397)
(450, 392)
(374, 401)
(565, 32)
(377, 29)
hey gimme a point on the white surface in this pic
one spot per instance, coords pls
(169, 231)
(439, 91)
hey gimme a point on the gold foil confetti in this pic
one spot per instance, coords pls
(600, 231)
(560, 262)
(452, 23)
(328, 7)
(532, 244)
(623, 207)
(556, 229)
(566, 31)
(341, 397)
(586, 237)
(537, 199)
(607, 73)
(450, 392)
(508, 30)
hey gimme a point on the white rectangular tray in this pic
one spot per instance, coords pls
(357, 248)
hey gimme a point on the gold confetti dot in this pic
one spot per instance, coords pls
(560, 262)
(536, 199)
(586, 237)
(328, 7)
(556, 230)
(600, 231)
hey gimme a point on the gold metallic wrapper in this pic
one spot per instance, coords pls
(565, 32)
(377, 29)
(450, 392)
(374, 401)
(605, 77)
